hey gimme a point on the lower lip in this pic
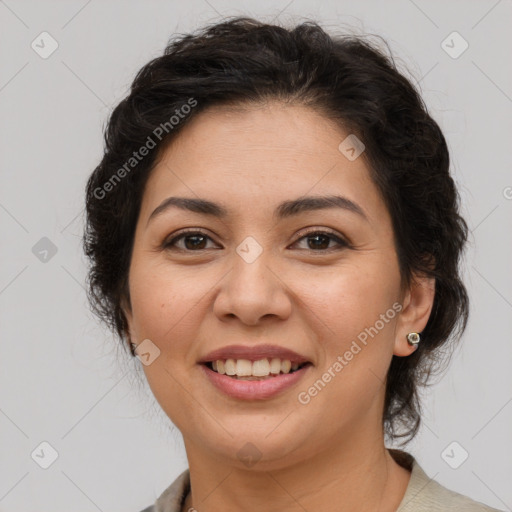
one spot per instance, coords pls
(254, 389)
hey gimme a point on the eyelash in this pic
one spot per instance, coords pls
(170, 244)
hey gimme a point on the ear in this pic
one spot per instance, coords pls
(416, 308)
(128, 332)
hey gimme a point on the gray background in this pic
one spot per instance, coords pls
(61, 379)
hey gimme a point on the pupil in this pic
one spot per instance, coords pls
(194, 245)
(316, 237)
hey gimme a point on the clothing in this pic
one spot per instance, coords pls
(422, 494)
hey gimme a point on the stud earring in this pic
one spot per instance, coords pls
(413, 338)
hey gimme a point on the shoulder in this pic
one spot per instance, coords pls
(424, 494)
(171, 499)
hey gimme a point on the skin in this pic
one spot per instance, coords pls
(330, 453)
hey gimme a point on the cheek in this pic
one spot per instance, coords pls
(355, 309)
(170, 305)
(333, 307)
(352, 297)
(166, 309)
(165, 304)
(355, 352)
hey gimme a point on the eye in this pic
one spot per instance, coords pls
(320, 241)
(192, 241)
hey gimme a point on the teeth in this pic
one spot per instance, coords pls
(230, 367)
(275, 366)
(286, 365)
(260, 368)
(243, 368)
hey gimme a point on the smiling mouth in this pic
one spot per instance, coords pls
(262, 369)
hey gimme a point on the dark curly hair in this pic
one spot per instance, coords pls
(346, 78)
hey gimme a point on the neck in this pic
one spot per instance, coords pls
(354, 477)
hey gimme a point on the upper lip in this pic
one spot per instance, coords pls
(253, 353)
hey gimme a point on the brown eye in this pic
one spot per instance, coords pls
(320, 241)
(192, 241)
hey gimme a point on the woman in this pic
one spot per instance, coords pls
(274, 232)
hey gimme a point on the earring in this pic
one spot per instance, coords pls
(413, 338)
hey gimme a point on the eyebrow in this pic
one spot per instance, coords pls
(284, 210)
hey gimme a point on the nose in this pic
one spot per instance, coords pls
(252, 292)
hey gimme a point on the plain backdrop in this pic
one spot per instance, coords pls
(62, 381)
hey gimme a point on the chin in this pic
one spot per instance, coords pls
(256, 449)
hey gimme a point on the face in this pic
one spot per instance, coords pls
(322, 282)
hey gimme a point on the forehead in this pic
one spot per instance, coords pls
(269, 130)
(247, 157)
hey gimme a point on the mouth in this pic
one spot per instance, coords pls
(261, 369)
(260, 372)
